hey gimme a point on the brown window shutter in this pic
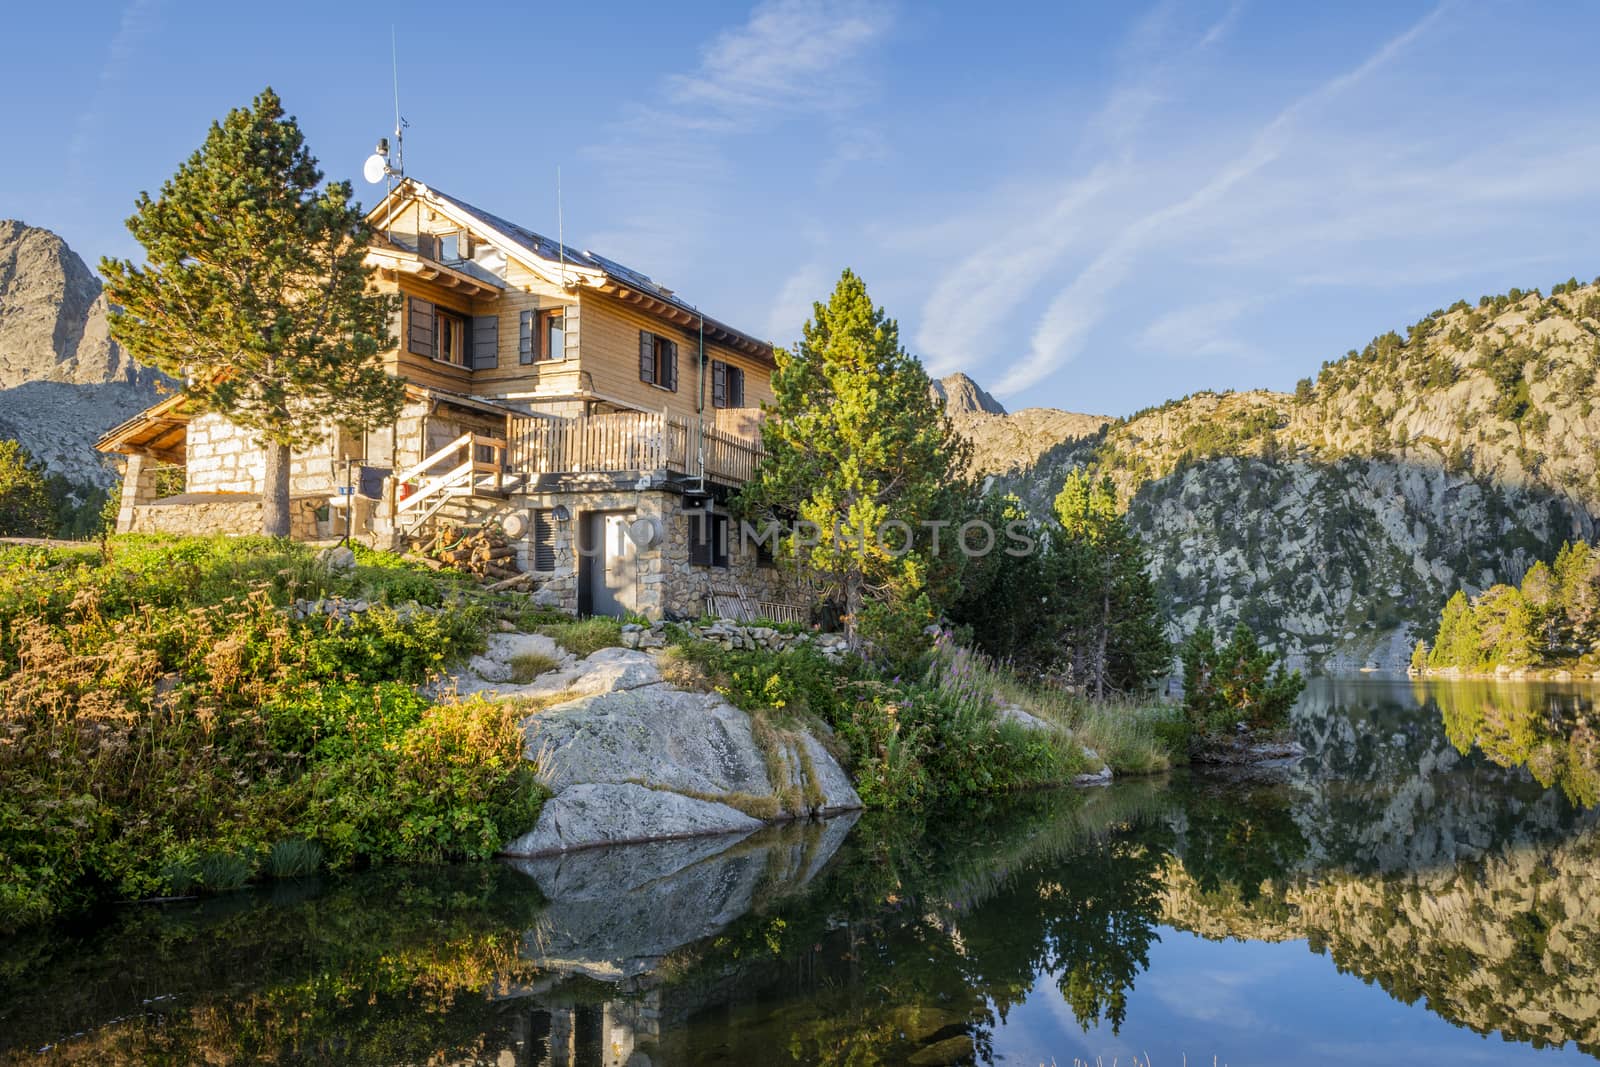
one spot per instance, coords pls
(719, 384)
(647, 357)
(544, 542)
(569, 333)
(672, 365)
(485, 342)
(526, 335)
(421, 337)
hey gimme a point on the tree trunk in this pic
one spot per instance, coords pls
(853, 602)
(275, 491)
(1100, 650)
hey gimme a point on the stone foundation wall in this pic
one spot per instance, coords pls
(667, 584)
(232, 513)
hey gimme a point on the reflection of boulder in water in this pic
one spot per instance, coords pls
(615, 912)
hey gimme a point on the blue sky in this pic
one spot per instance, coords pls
(1090, 206)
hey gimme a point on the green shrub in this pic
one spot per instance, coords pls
(1234, 682)
(171, 728)
(294, 858)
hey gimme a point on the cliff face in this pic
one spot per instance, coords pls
(63, 381)
(1337, 519)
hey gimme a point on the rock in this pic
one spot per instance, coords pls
(599, 813)
(661, 737)
(1101, 777)
(490, 670)
(546, 597)
(1023, 718)
(838, 794)
(339, 559)
(608, 670)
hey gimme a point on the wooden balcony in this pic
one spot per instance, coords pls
(628, 442)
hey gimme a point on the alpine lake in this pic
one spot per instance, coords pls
(1422, 887)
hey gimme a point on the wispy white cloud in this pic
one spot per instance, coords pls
(138, 19)
(1203, 329)
(985, 287)
(1066, 321)
(789, 60)
(790, 56)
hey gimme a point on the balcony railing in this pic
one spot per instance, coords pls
(628, 442)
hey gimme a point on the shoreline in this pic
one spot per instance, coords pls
(1504, 674)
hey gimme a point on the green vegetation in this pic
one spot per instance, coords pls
(168, 726)
(582, 637)
(935, 732)
(1092, 620)
(858, 452)
(1551, 621)
(1233, 682)
(24, 499)
(256, 295)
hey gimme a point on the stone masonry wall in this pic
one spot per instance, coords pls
(224, 458)
(668, 585)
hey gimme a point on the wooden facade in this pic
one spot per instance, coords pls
(501, 287)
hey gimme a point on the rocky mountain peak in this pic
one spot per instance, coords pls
(53, 316)
(961, 394)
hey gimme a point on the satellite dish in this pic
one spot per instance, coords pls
(374, 168)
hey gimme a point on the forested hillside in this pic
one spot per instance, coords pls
(1339, 518)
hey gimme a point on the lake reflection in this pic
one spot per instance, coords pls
(1388, 900)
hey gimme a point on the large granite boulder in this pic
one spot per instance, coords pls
(630, 758)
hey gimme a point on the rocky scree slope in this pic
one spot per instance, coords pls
(1339, 518)
(63, 380)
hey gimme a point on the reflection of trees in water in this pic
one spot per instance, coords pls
(1440, 877)
(386, 968)
(1549, 729)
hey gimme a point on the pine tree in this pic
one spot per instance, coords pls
(1111, 618)
(25, 507)
(855, 440)
(255, 295)
(1456, 617)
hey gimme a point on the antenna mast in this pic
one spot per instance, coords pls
(399, 169)
(561, 230)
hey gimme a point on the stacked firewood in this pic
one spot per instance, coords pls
(481, 551)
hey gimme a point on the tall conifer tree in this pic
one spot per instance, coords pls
(855, 440)
(255, 296)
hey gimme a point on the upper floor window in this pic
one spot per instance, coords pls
(555, 334)
(658, 360)
(452, 330)
(543, 335)
(727, 385)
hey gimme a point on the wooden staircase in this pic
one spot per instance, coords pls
(472, 468)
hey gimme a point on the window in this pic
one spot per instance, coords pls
(658, 360)
(450, 248)
(543, 335)
(451, 339)
(544, 541)
(555, 334)
(708, 538)
(727, 385)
